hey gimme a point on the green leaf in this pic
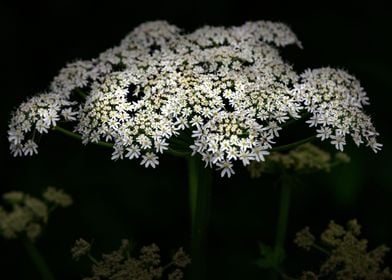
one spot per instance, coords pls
(279, 255)
(267, 259)
(270, 257)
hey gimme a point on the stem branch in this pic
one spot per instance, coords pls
(321, 249)
(293, 145)
(199, 180)
(74, 135)
(283, 214)
(37, 259)
(79, 137)
(281, 228)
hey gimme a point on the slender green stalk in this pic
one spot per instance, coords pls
(176, 153)
(38, 260)
(321, 249)
(200, 180)
(79, 137)
(284, 276)
(193, 181)
(281, 227)
(183, 153)
(293, 145)
(92, 259)
(110, 145)
(283, 213)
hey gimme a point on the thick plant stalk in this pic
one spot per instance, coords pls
(200, 181)
(38, 260)
(281, 228)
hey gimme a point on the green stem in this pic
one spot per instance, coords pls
(176, 153)
(284, 276)
(92, 259)
(321, 249)
(281, 228)
(293, 145)
(74, 135)
(37, 259)
(79, 137)
(283, 213)
(200, 181)
(193, 181)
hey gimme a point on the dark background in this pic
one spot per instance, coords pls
(115, 200)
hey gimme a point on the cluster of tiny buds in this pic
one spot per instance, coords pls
(119, 264)
(306, 158)
(26, 215)
(227, 89)
(348, 256)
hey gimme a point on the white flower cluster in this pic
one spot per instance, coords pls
(37, 115)
(335, 100)
(226, 90)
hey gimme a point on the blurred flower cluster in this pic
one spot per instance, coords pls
(25, 215)
(120, 265)
(347, 254)
(305, 158)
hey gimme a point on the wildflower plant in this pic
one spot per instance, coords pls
(223, 93)
(287, 167)
(217, 96)
(304, 159)
(24, 217)
(347, 255)
(119, 264)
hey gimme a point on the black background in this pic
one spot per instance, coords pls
(115, 200)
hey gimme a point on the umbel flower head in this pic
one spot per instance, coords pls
(224, 91)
